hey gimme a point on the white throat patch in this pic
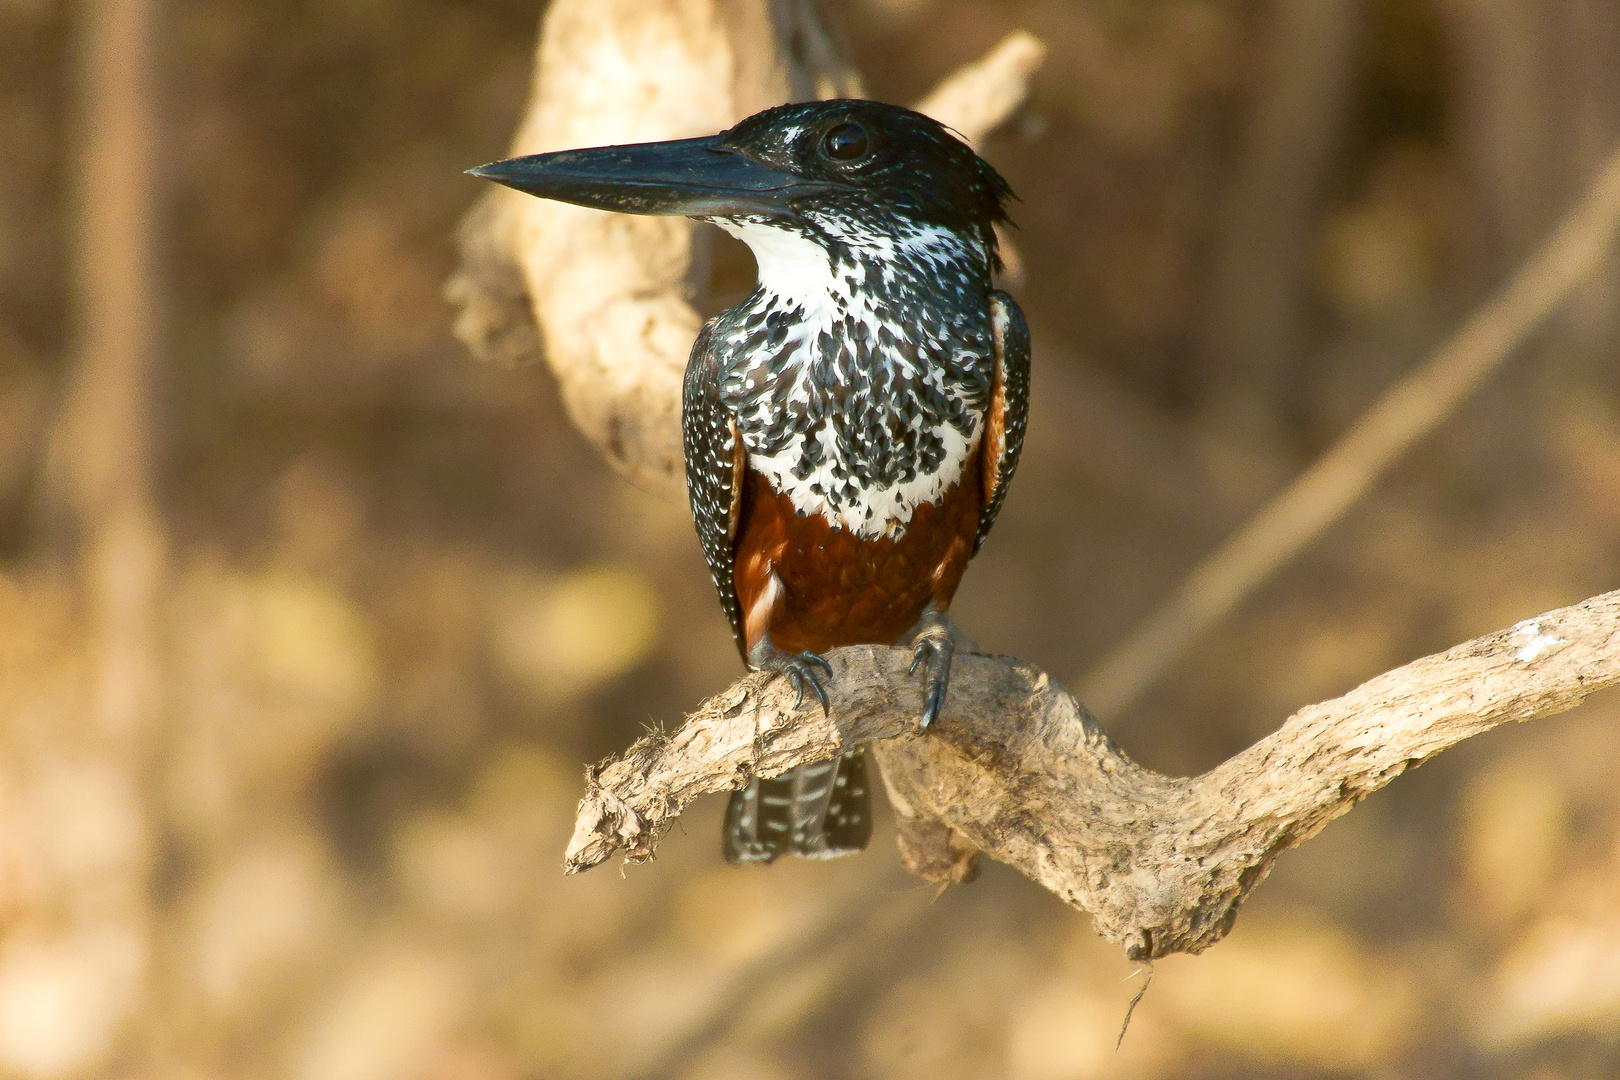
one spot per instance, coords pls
(792, 266)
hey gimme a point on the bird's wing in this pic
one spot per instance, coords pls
(714, 473)
(1008, 414)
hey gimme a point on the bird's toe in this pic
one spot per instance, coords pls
(933, 655)
(802, 670)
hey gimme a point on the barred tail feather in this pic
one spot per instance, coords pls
(816, 811)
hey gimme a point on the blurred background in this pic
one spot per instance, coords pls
(309, 623)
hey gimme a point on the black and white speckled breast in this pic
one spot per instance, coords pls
(860, 368)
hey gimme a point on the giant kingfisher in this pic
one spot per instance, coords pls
(851, 427)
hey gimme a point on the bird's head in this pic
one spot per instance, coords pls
(792, 167)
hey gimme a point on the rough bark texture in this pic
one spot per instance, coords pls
(1020, 770)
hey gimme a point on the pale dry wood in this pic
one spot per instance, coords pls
(1018, 768)
(606, 299)
(977, 98)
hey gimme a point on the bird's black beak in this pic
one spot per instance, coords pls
(694, 177)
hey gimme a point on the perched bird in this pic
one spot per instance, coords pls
(851, 427)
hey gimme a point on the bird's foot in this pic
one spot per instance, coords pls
(934, 649)
(800, 669)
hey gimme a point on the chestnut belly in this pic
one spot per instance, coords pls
(841, 589)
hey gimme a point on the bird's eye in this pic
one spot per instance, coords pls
(846, 142)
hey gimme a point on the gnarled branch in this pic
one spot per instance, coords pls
(1018, 768)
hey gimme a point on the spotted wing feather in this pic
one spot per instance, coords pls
(714, 459)
(1008, 414)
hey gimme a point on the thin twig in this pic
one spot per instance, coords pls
(1407, 412)
(1136, 999)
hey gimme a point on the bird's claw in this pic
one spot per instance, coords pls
(800, 670)
(934, 650)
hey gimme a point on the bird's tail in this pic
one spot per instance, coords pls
(819, 811)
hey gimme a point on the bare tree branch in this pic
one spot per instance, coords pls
(979, 97)
(98, 501)
(102, 452)
(1341, 476)
(1019, 768)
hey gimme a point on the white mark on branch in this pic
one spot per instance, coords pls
(1536, 643)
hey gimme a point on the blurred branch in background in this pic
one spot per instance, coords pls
(978, 98)
(74, 976)
(1292, 138)
(1540, 102)
(865, 920)
(1331, 486)
(101, 469)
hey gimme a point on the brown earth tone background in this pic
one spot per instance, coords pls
(395, 603)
